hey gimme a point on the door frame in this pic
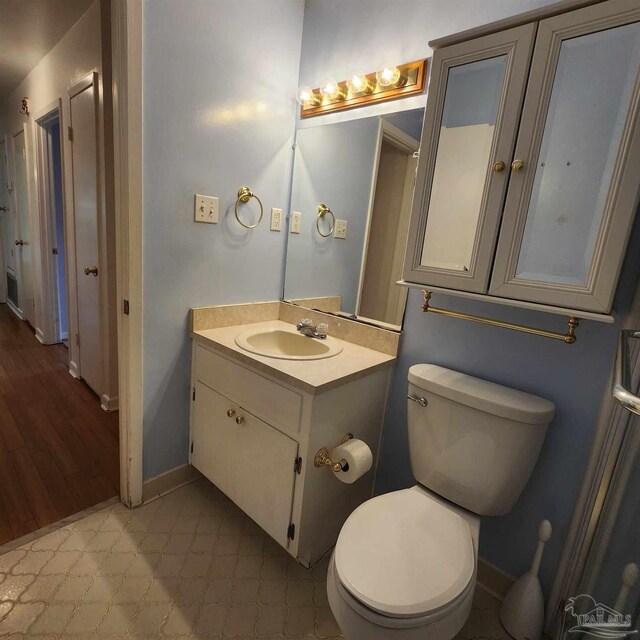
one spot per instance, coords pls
(126, 26)
(50, 331)
(9, 212)
(601, 477)
(387, 132)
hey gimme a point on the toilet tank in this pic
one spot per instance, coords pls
(475, 443)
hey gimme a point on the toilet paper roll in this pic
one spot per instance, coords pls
(358, 458)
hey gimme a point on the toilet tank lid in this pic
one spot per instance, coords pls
(482, 395)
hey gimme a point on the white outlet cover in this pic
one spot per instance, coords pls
(296, 221)
(205, 209)
(276, 219)
(341, 229)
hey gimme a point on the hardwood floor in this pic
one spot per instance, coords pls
(58, 448)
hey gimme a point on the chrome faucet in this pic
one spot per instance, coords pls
(307, 328)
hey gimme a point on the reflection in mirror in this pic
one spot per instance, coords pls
(464, 147)
(364, 172)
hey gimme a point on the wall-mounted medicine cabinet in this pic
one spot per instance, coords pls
(528, 182)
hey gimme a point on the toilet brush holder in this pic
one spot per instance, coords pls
(522, 612)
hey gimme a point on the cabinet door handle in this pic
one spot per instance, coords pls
(499, 166)
(517, 165)
(231, 413)
(91, 271)
(239, 419)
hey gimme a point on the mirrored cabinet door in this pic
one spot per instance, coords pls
(475, 97)
(574, 182)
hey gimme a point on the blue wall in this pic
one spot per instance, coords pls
(574, 377)
(333, 165)
(220, 81)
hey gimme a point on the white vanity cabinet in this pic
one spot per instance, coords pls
(255, 438)
(527, 183)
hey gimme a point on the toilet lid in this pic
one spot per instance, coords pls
(404, 554)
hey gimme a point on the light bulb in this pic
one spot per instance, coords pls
(330, 89)
(358, 82)
(388, 75)
(306, 96)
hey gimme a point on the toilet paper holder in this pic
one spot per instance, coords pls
(322, 457)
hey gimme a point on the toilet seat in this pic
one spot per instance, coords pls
(405, 554)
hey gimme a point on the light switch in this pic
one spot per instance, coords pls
(341, 229)
(206, 209)
(276, 219)
(296, 220)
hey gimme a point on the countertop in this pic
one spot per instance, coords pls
(311, 376)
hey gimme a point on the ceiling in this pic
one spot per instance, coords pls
(29, 29)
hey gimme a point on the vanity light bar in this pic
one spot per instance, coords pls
(363, 89)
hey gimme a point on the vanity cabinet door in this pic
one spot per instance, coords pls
(473, 109)
(573, 195)
(250, 461)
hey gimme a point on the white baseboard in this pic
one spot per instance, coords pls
(15, 310)
(73, 369)
(40, 336)
(108, 403)
(169, 481)
(493, 580)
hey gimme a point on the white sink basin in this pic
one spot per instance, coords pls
(287, 345)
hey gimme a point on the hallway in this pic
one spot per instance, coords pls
(58, 448)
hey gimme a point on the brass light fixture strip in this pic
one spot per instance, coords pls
(412, 81)
(569, 337)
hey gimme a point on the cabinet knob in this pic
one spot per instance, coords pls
(239, 419)
(499, 166)
(517, 165)
(231, 413)
(91, 271)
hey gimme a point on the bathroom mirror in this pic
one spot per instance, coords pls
(363, 172)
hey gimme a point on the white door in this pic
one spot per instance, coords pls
(85, 203)
(22, 240)
(6, 226)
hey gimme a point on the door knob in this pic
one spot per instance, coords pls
(499, 166)
(91, 271)
(19, 243)
(231, 413)
(517, 165)
(239, 419)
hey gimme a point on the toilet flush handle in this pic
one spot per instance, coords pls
(421, 401)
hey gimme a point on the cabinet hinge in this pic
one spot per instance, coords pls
(291, 531)
(192, 447)
(193, 395)
(125, 307)
(297, 466)
(70, 134)
(54, 251)
(78, 339)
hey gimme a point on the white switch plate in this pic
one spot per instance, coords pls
(341, 229)
(276, 219)
(206, 209)
(296, 221)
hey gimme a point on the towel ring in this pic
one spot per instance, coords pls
(244, 195)
(322, 212)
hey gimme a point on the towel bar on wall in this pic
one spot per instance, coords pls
(569, 337)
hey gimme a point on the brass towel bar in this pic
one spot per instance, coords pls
(569, 337)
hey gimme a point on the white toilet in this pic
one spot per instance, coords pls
(404, 566)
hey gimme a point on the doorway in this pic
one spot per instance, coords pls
(55, 325)
(379, 296)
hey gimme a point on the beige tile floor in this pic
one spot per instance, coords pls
(189, 565)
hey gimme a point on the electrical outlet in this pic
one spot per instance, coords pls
(296, 221)
(276, 219)
(341, 229)
(205, 209)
